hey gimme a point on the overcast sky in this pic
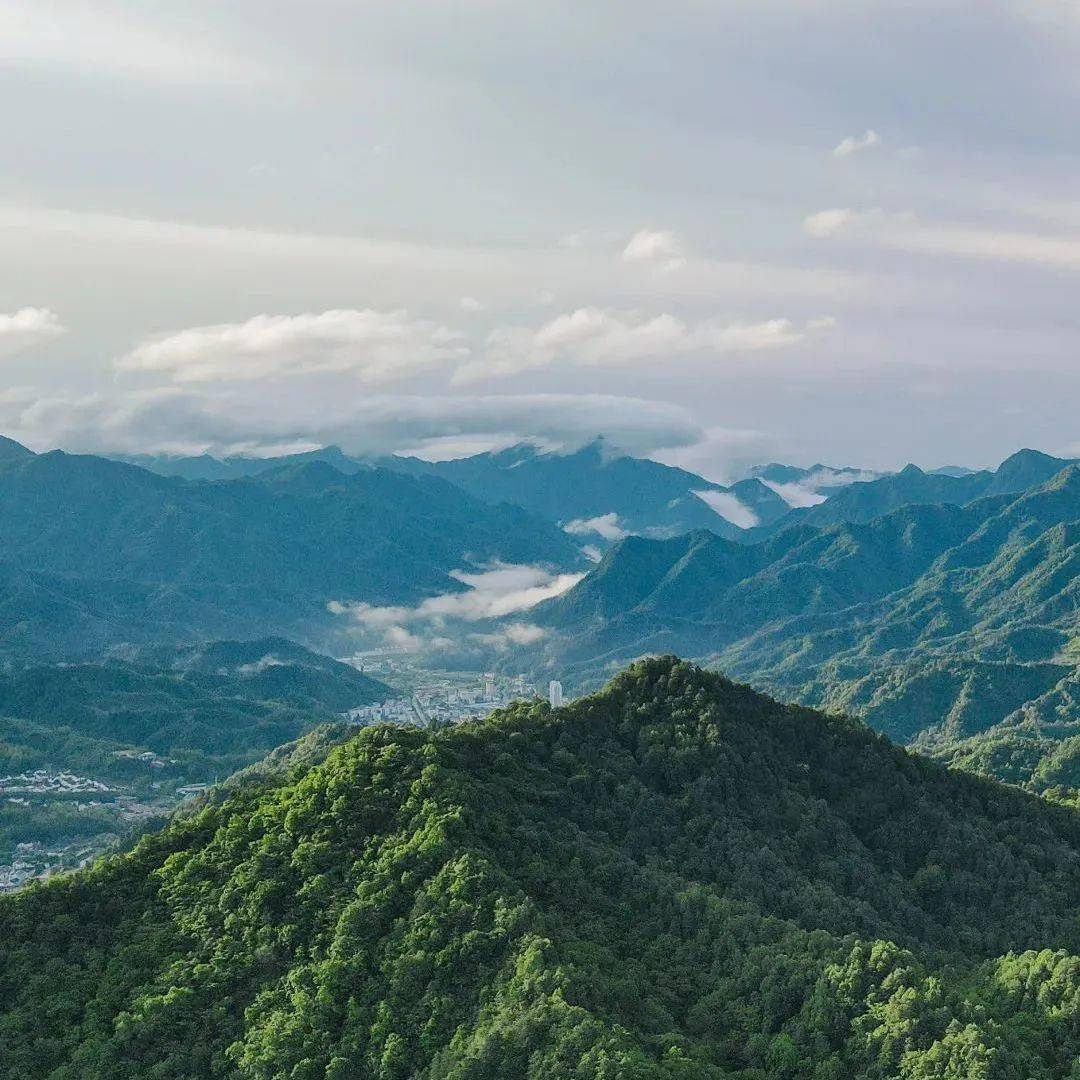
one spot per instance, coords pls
(716, 231)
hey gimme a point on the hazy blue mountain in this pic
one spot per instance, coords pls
(868, 499)
(598, 481)
(595, 482)
(94, 552)
(676, 878)
(206, 467)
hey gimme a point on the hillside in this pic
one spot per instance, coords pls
(675, 878)
(128, 734)
(95, 552)
(939, 617)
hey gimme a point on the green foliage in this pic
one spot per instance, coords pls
(674, 878)
(206, 711)
(934, 623)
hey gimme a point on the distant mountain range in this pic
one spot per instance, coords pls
(94, 552)
(596, 491)
(864, 500)
(601, 494)
(934, 621)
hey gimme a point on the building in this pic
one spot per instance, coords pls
(555, 693)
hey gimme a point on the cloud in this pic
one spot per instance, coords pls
(655, 246)
(729, 508)
(492, 593)
(252, 418)
(471, 304)
(604, 525)
(854, 144)
(905, 232)
(91, 40)
(827, 223)
(26, 327)
(597, 337)
(375, 346)
(808, 490)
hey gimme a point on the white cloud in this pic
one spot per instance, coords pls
(86, 38)
(604, 525)
(253, 418)
(596, 337)
(492, 593)
(853, 144)
(905, 232)
(826, 223)
(26, 327)
(796, 494)
(655, 246)
(807, 491)
(471, 304)
(730, 508)
(376, 346)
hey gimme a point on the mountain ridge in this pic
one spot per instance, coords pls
(676, 877)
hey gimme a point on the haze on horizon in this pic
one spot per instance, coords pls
(718, 233)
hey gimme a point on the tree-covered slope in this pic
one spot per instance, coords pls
(144, 727)
(674, 878)
(940, 617)
(868, 499)
(94, 552)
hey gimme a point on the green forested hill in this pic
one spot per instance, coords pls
(140, 728)
(939, 619)
(676, 877)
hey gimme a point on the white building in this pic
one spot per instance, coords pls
(555, 693)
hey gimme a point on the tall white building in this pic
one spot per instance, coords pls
(555, 693)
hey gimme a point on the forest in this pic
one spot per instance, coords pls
(674, 877)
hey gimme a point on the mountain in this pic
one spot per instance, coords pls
(598, 491)
(865, 500)
(127, 734)
(942, 618)
(597, 482)
(808, 486)
(206, 467)
(95, 552)
(675, 878)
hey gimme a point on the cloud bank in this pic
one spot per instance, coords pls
(493, 593)
(375, 346)
(599, 337)
(27, 326)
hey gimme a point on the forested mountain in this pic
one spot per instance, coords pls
(675, 878)
(942, 617)
(865, 500)
(630, 494)
(94, 552)
(604, 494)
(193, 714)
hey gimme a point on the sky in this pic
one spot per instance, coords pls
(715, 231)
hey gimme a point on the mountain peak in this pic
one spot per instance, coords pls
(10, 450)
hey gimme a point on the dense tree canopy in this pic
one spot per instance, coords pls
(674, 878)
